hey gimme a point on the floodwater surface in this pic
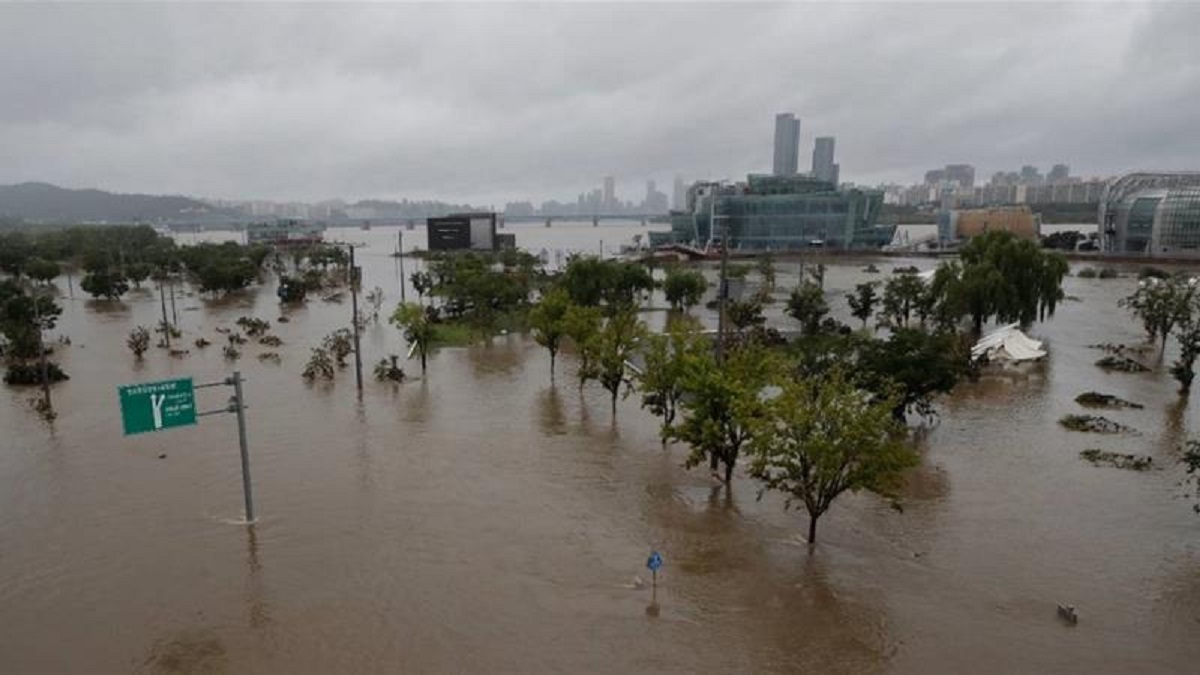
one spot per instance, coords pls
(486, 518)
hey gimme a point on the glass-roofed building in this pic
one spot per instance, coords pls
(1157, 214)
(772, 213)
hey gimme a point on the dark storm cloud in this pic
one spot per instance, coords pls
(493, 102)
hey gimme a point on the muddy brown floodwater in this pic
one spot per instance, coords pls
(484, 519)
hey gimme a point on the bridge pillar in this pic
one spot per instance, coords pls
(643, 222)
(547, 222)
(595, 221)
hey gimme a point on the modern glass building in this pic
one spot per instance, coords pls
(1157, 214)
(770, 212)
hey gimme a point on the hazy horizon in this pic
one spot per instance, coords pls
(497, 103)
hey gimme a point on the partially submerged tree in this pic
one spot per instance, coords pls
(666, 360)
(414, 321)
(319, 366)
(1161, 304)
(138, 341)
(821, 437)
(807, 305)
(547, 320)
(719, 404)
(582, 325)
(683, 287)
(863, 301)
(105, 283)
(339, 344)
(1188, 334)
(611, 348)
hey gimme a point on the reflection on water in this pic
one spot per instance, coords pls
(198, 652)
(485, 518)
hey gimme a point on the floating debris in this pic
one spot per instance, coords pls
(201, 343)
(1122, 364)
(1093, 399)
(1067, 613)
(1093, 424)
(1117, 459)
(272, 357)
(270, 341)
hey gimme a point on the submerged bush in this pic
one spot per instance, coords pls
(1117, 459)
(1093, 399)
(1093, 424)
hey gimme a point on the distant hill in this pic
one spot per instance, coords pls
(45, 203)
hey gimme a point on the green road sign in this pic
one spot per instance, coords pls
(154, 406)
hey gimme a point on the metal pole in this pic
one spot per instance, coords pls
(45, 368)
(403, 281)
(354, 308)
(723, 288)
(162, 295)
(174, 314)
(240, 405)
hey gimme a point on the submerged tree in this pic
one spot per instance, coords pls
(582, 325)
(683, 288)
(719, 402)
(821, 437)
(105, 283)
(413, 319)
(339, 344)
(319, 366)
(666, 360)
(388, 369)
(1188, 334)
(807, 305)
(1161, 304)
(547, 320)
(863, 301)
(610, 350)
(138, 341)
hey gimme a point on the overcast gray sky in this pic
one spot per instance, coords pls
(494, 103)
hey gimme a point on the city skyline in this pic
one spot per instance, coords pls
(190, 100)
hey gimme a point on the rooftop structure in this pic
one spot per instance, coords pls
(770, 212)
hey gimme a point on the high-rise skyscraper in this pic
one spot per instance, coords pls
(823, 167)
(610, 193)
(679, 199)
(1058, 174)
(787, 144)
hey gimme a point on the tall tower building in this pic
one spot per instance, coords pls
(823, 167)
(679, 199)
(787, 144)
(610, 193)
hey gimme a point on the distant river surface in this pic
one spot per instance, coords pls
(486, 519)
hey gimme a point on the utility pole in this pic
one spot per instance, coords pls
(162, 295)
(723, 283)
(174, 315)
(400, 257)
(43, 365)
(355, 276)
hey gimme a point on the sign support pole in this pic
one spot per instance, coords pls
(239, 404)
(355, 275)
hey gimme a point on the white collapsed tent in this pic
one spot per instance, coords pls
(1007, 343)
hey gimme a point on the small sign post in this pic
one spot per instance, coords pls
(654, 562)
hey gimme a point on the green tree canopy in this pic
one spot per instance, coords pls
(683, 288)
(547, 320)
(821, 437)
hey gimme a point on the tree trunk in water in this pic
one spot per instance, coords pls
(614, 404)
(812, 529)
(551, 366)
(713, 462)
(422, 361)
(729, 473)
